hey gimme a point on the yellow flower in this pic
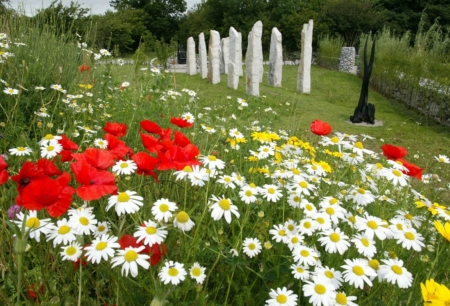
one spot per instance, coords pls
(434, 293)
(445, 231)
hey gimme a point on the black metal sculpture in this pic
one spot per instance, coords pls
(365, 112)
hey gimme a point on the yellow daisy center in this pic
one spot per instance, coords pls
(399, 226)
(335, 237)
(196, 271)
(282, 299)
(173, 272)
(320, 289)
(397, 270)
(307, 224)
(300, 270)
(282, 232)
(84, 221)
(50, 148)
(341, 298)
(365, 242)
(248, 193)
(333, 201)
(48, 137)
(320, 220)
(182, 217)
(101, 228)
(63, 230)
(294, 240)
(187, 169)
(372, 224)
(163, 207)
(33, 222)
(101, 246)
(359, 145)
(361, 191)
(408, 216)
(308, 206)
(329, 274)
(21, 149)
(329, 211)
(271, 190)
(304, 253)
(303, 184)
(397, 173)
(358, 270)
(123, 197)
(335, 139)
(124, 165)
(131, 255)
(71, 250)
(374, 264)
(224, 204)
(291, 227)
(252, 246)
(150, 230)
(409, 236)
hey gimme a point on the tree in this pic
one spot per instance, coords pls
(162, 16)
(351, 18)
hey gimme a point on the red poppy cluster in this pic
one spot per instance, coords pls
(397, 153)
(84, 68)
(43, 185)
(320, 128)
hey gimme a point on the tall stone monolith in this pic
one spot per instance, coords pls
(214, 57)
(254, 60)
(191, 61)
(275, 58)
(202, 56)
(224, 55)
(304, 68)
(235, 62)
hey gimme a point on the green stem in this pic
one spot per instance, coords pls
(79, 283)
(229, 286)
(19, 277)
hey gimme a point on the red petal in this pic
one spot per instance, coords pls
(393, 152)
(151, 127)
(116, 129)
(320, 128)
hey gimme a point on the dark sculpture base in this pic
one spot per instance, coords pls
(366, 114)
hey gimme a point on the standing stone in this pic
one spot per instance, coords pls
(214, 57)
(203, 60)
(275, 58)
(224, 55)
(191, 63)
(235, 62)
(304, 68)
(253, 60)
(347, 59)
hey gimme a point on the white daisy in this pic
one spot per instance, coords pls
(282, 297)
(197, 272)
(162, 209)
(71, 252)
(11, 91)
(251, 247)
(126, 167)
(307, 226)
(181, 174)
(20, 151)
(343, 299)
(357, 272)
(410, 238)
(227, 181)
(223, 208)
(172, 272)
(396, 176)
(130, 259)
(150, 233)
(248, 194)
(183, 221)
(304, 255)
(320, 290)
(61, 232)
(101, 143)
(102, 247)
(279, 233)
(82, 221)
(300, 271)
(33, 225)
(198, 176)
(364, 245)
(372, 226)
(361, 196)
(51, 150)
(270, 192)
(126, 202)
(334, 241)
(212, 162)
(442, 159)
(394, 272)
(102, 228)
(334, 276)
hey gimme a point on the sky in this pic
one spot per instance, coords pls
(98, 7)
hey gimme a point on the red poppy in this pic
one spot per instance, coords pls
(116, 129)
(180, 122)
(99, 159)
(34, 291)
(94, 183)
(393, 152)
(117, 147)
(151, 143)
(48, 167)
(68, 147)
(146, 164)
(157, 251)
(84, 68)
(320, 128)
(413, 170)
(181, 140)
(53, 195)
(3, 172)
(28, 173)
(151, 127)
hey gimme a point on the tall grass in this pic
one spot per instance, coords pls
(329, 51)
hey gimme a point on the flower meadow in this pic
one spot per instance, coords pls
(130, 192)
